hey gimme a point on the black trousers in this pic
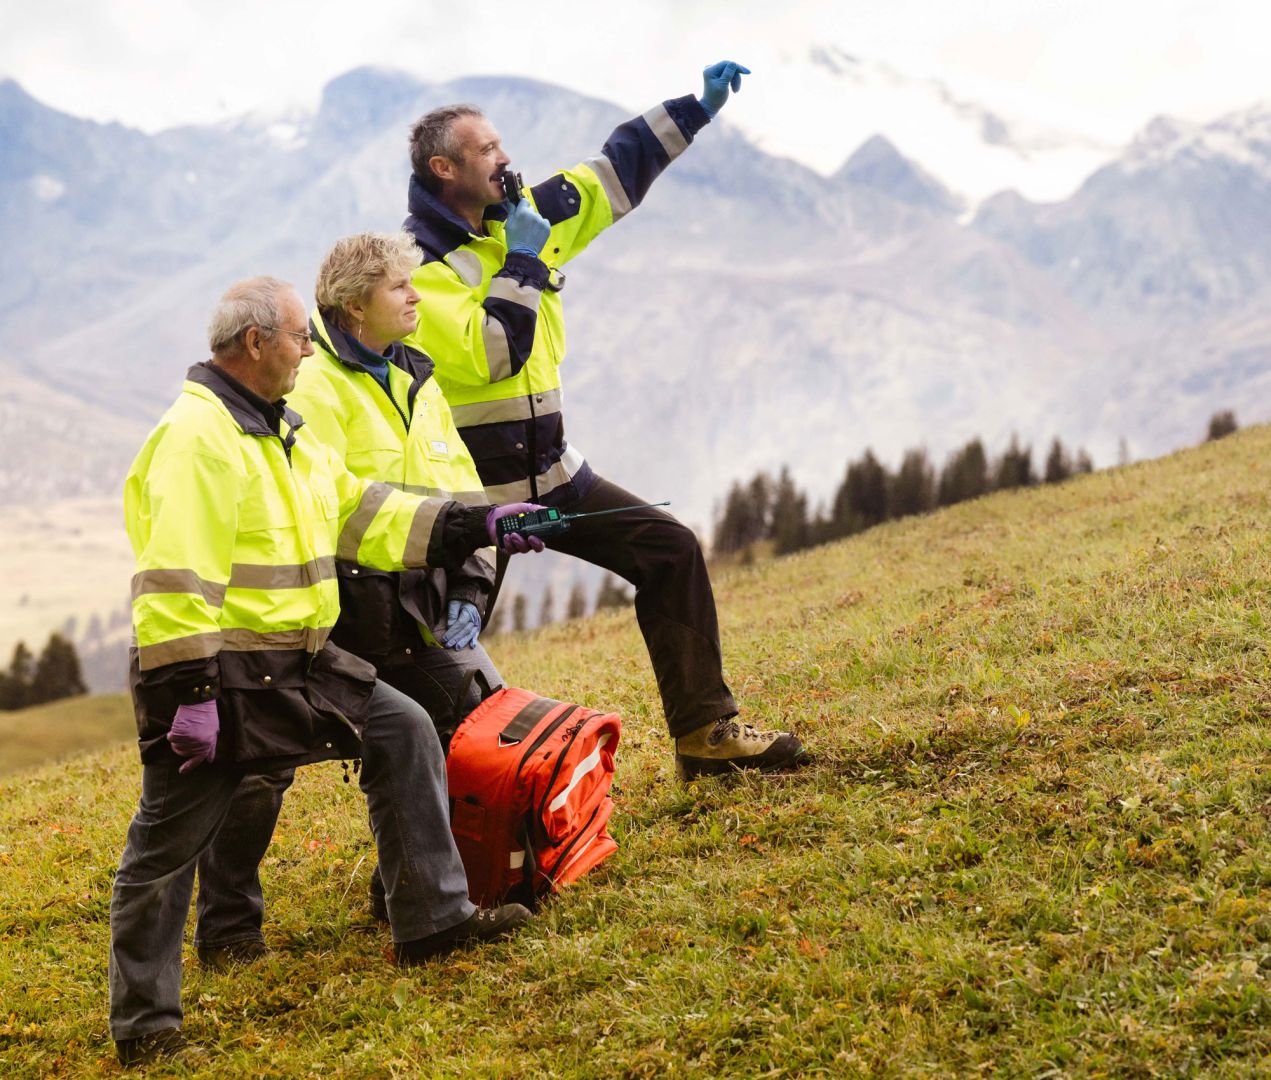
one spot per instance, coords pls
(674, 602)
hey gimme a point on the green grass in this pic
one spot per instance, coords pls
(1035, 841)
(55, 731)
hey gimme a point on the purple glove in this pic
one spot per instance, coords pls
(193, 733)
(514, 543)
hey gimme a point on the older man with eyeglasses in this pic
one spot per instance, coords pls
(236, 515)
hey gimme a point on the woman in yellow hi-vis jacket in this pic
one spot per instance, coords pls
(373, 401)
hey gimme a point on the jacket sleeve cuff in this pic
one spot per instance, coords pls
(187, 682)
(458, 535)
(465, 590)
(688, 114)
(525, 269)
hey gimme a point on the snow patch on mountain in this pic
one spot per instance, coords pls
(822, 104)
(1241, 138)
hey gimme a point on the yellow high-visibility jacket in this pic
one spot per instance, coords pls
(492, 319)
(403, 436)
(236, 516)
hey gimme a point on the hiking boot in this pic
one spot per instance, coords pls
(728, 745)
(168, 1045)
(481, 925)
(224, 957)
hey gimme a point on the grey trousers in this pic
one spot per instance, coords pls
(231, 901)
(404, 778)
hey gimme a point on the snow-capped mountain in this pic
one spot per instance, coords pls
(819, 106)
(752, 313)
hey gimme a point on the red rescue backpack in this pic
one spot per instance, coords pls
(529, 793)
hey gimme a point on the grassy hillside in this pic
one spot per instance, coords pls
(1035, 841)
(51, 732)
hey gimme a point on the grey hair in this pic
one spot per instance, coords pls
(249, 303)
(433, 136)
(356, 264)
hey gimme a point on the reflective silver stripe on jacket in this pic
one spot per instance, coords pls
(360, 520)
(177, 581)
(498, 352)
(252, 576)
(468, 498)
(667, 131)
(557, 476)
(506, 288)
(521, 407)
(192, 647)
(421, 530)
(467, 265)
(230, 639)
(614, 191)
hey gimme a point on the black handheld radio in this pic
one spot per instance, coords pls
(512, 185)
(550, 521)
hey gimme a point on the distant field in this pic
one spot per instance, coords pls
(55, 731)
(64, 559)
(1035, 842)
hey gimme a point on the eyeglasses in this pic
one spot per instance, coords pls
(305, 337)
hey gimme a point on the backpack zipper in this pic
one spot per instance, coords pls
(570, 736)
(551, 875)
(547, 732)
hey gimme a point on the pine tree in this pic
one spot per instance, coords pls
(1084, 464)
(759, 496)
(612, 593)
(15, 686)
(965, 475)
(861, 501)
(1221, 424)
(1014, 467)
(789, 515)
(732, 525)
(13, 694)
(912, 489)
(1058, 464)
(57, 673)
(520, 612)
(547, 609)
(576, 608)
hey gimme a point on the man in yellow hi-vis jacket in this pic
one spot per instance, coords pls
(490, 316)
(236, 516)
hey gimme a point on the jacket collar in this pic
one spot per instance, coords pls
(328, 336)
(436, 228)
(250, 411)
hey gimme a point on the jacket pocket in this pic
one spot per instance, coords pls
(368, 599)
(263, 710)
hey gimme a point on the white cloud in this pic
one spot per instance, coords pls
(1096, 65)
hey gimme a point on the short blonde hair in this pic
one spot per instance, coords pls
(355, 264)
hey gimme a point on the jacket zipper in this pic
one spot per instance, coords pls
(389, 394)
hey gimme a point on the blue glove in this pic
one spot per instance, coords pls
(716, 80)
(463, 624)
(526, 229)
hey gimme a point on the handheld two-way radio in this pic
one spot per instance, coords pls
(550, 522)
(512, 185)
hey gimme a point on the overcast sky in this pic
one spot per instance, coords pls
(1099, 66)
